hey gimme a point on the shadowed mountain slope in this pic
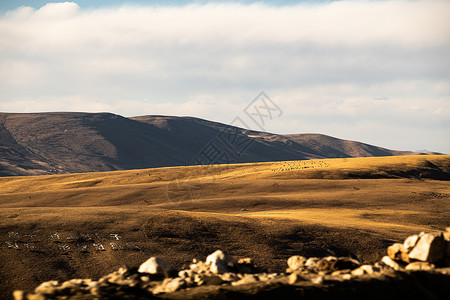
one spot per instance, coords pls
(68, 142)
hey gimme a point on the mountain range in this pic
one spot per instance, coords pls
(72, 142)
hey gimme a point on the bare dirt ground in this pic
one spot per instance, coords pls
(87, 225)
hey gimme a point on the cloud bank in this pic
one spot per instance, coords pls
(376, 71)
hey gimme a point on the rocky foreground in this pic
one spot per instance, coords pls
(418, 268)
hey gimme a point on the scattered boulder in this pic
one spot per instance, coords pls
(430, 248)
(295, 263)
(155, 265)
(248, 278)
(419, 265)
(220, 262)
(426, 252)
(170, 285)
(390, 263)
(410, 242)
(365, 270)
(395, 251)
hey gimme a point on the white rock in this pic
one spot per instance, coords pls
(389, 262)
(174, 285)
(317, 280)
(248, 278)
(358, 272)
(419, 265)
(219, 262)
(295, 262)
(311, 262)
(410, 242)
(170, 285)
(19, 295)
(430, 248)
(47, 287)
(365, 269)
(155, 265)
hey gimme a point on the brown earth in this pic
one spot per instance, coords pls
(268, 211)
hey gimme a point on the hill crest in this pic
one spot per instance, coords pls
(73, 142)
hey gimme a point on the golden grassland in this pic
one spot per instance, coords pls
(268, 211)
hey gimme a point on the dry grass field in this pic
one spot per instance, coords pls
(86, 225)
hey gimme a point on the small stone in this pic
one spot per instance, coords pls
(347, 276)
(395, 251)
(186, 274)
(267, 277)
(248, 278)
(155, 265)
(230, 277)
(219, 262)
(446, 235)
(419, 265)
(358, 272)
(341, 272)
(48, 287)
(405, 257)
(295, 263)
(410, 242)
(36, 297)
(295, 277)
(175, 284)
(246, 265)
(326, 265)
(311, 263)
(389, 262)
(430, 248)
(365, 269)
(19, 295)
(170, 285)
(317, 280)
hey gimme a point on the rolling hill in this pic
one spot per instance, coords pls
(69, 142)
(268, 211)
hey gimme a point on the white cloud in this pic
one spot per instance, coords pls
(328, 61)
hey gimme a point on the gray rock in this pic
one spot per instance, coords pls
(155, 265)
(430, 248)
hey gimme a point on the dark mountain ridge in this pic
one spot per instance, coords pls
(72, 142)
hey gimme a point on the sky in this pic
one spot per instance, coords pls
(372, 71)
